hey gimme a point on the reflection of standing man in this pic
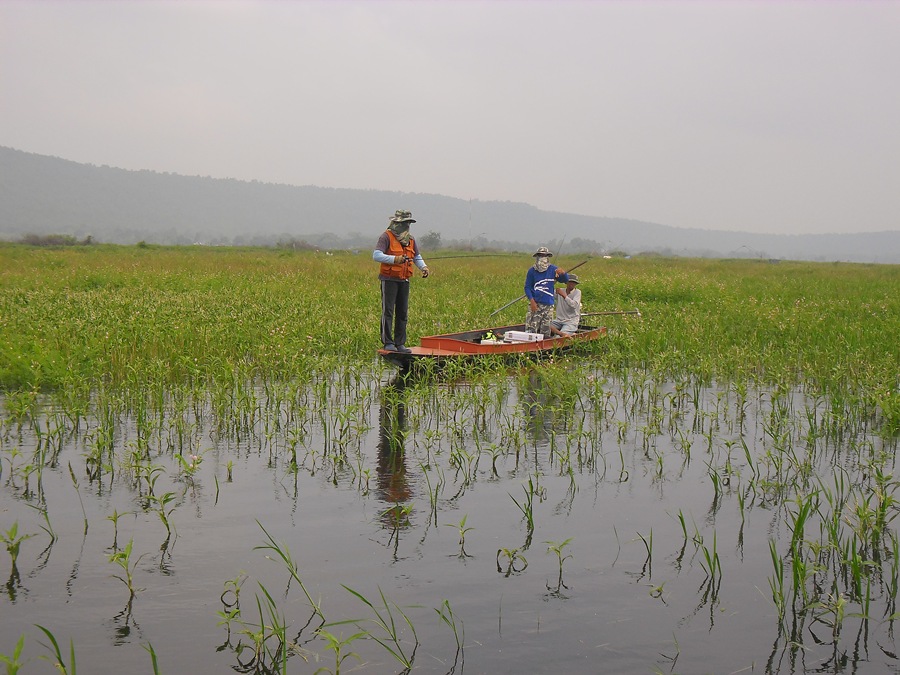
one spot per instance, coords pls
(392, 484)
(397, 251)
(537, 398)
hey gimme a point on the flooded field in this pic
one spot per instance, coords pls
(551, 519)
(201, 473)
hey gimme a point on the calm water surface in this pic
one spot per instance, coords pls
(646, 491)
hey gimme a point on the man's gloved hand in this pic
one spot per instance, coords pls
(398, 259)
(560, 272)
(425, 272)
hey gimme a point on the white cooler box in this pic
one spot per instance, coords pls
(522, 336)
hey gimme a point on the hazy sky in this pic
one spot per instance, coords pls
(756, 116)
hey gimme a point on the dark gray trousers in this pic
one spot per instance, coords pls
(394, 311)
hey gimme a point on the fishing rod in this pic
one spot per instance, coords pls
(477, 255)
(572, 269)
(633, 311)
(523, 295)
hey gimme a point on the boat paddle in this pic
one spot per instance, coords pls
(634, 311)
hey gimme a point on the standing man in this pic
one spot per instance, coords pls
(568, 309)
(397, 252)
(540, 289)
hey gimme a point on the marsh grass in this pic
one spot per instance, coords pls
(184, 315)
(773, 387)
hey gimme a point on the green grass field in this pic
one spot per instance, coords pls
(75, 318)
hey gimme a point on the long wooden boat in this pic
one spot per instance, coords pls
(471, 344)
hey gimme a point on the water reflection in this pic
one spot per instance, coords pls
(392, 484)
(14, 583)
(165, 555)
(537, 399)
(121, 625)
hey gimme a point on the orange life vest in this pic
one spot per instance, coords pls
(405, 269)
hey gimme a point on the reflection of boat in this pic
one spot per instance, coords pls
(472, 344)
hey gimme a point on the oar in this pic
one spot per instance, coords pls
(572, 269)
(512, 302)
(507, 305)
(635, 311)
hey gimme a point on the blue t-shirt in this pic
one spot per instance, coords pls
(541, 286)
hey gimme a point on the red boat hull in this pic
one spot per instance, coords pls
(468, 344)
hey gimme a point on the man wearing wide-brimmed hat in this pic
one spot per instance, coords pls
(397, 252)
(540, 289)
(568, 308)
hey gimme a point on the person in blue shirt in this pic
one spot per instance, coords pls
(540, 290)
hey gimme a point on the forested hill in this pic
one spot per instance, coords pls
(47, 195)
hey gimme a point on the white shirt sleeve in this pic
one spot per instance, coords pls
(382, 257)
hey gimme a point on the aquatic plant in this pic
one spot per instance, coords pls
(776, 582)
(648, 545)
(13, 542)
(80, 500)
(557, 549)
(161, 505)
(114, 518)
(123, 560)
(12, 663)
(446, 615)
(283, 554)
(527, 509)
(336, 644)
(389, 636)
(153, 660)
(271, 627)
(56, 657)
(231, 604)
(462, 530)
(512, 556)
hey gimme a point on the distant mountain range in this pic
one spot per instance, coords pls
(44, 195)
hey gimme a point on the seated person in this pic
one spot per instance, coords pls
(568, 309)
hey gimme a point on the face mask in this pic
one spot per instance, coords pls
(542, 263)
(401, 231)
